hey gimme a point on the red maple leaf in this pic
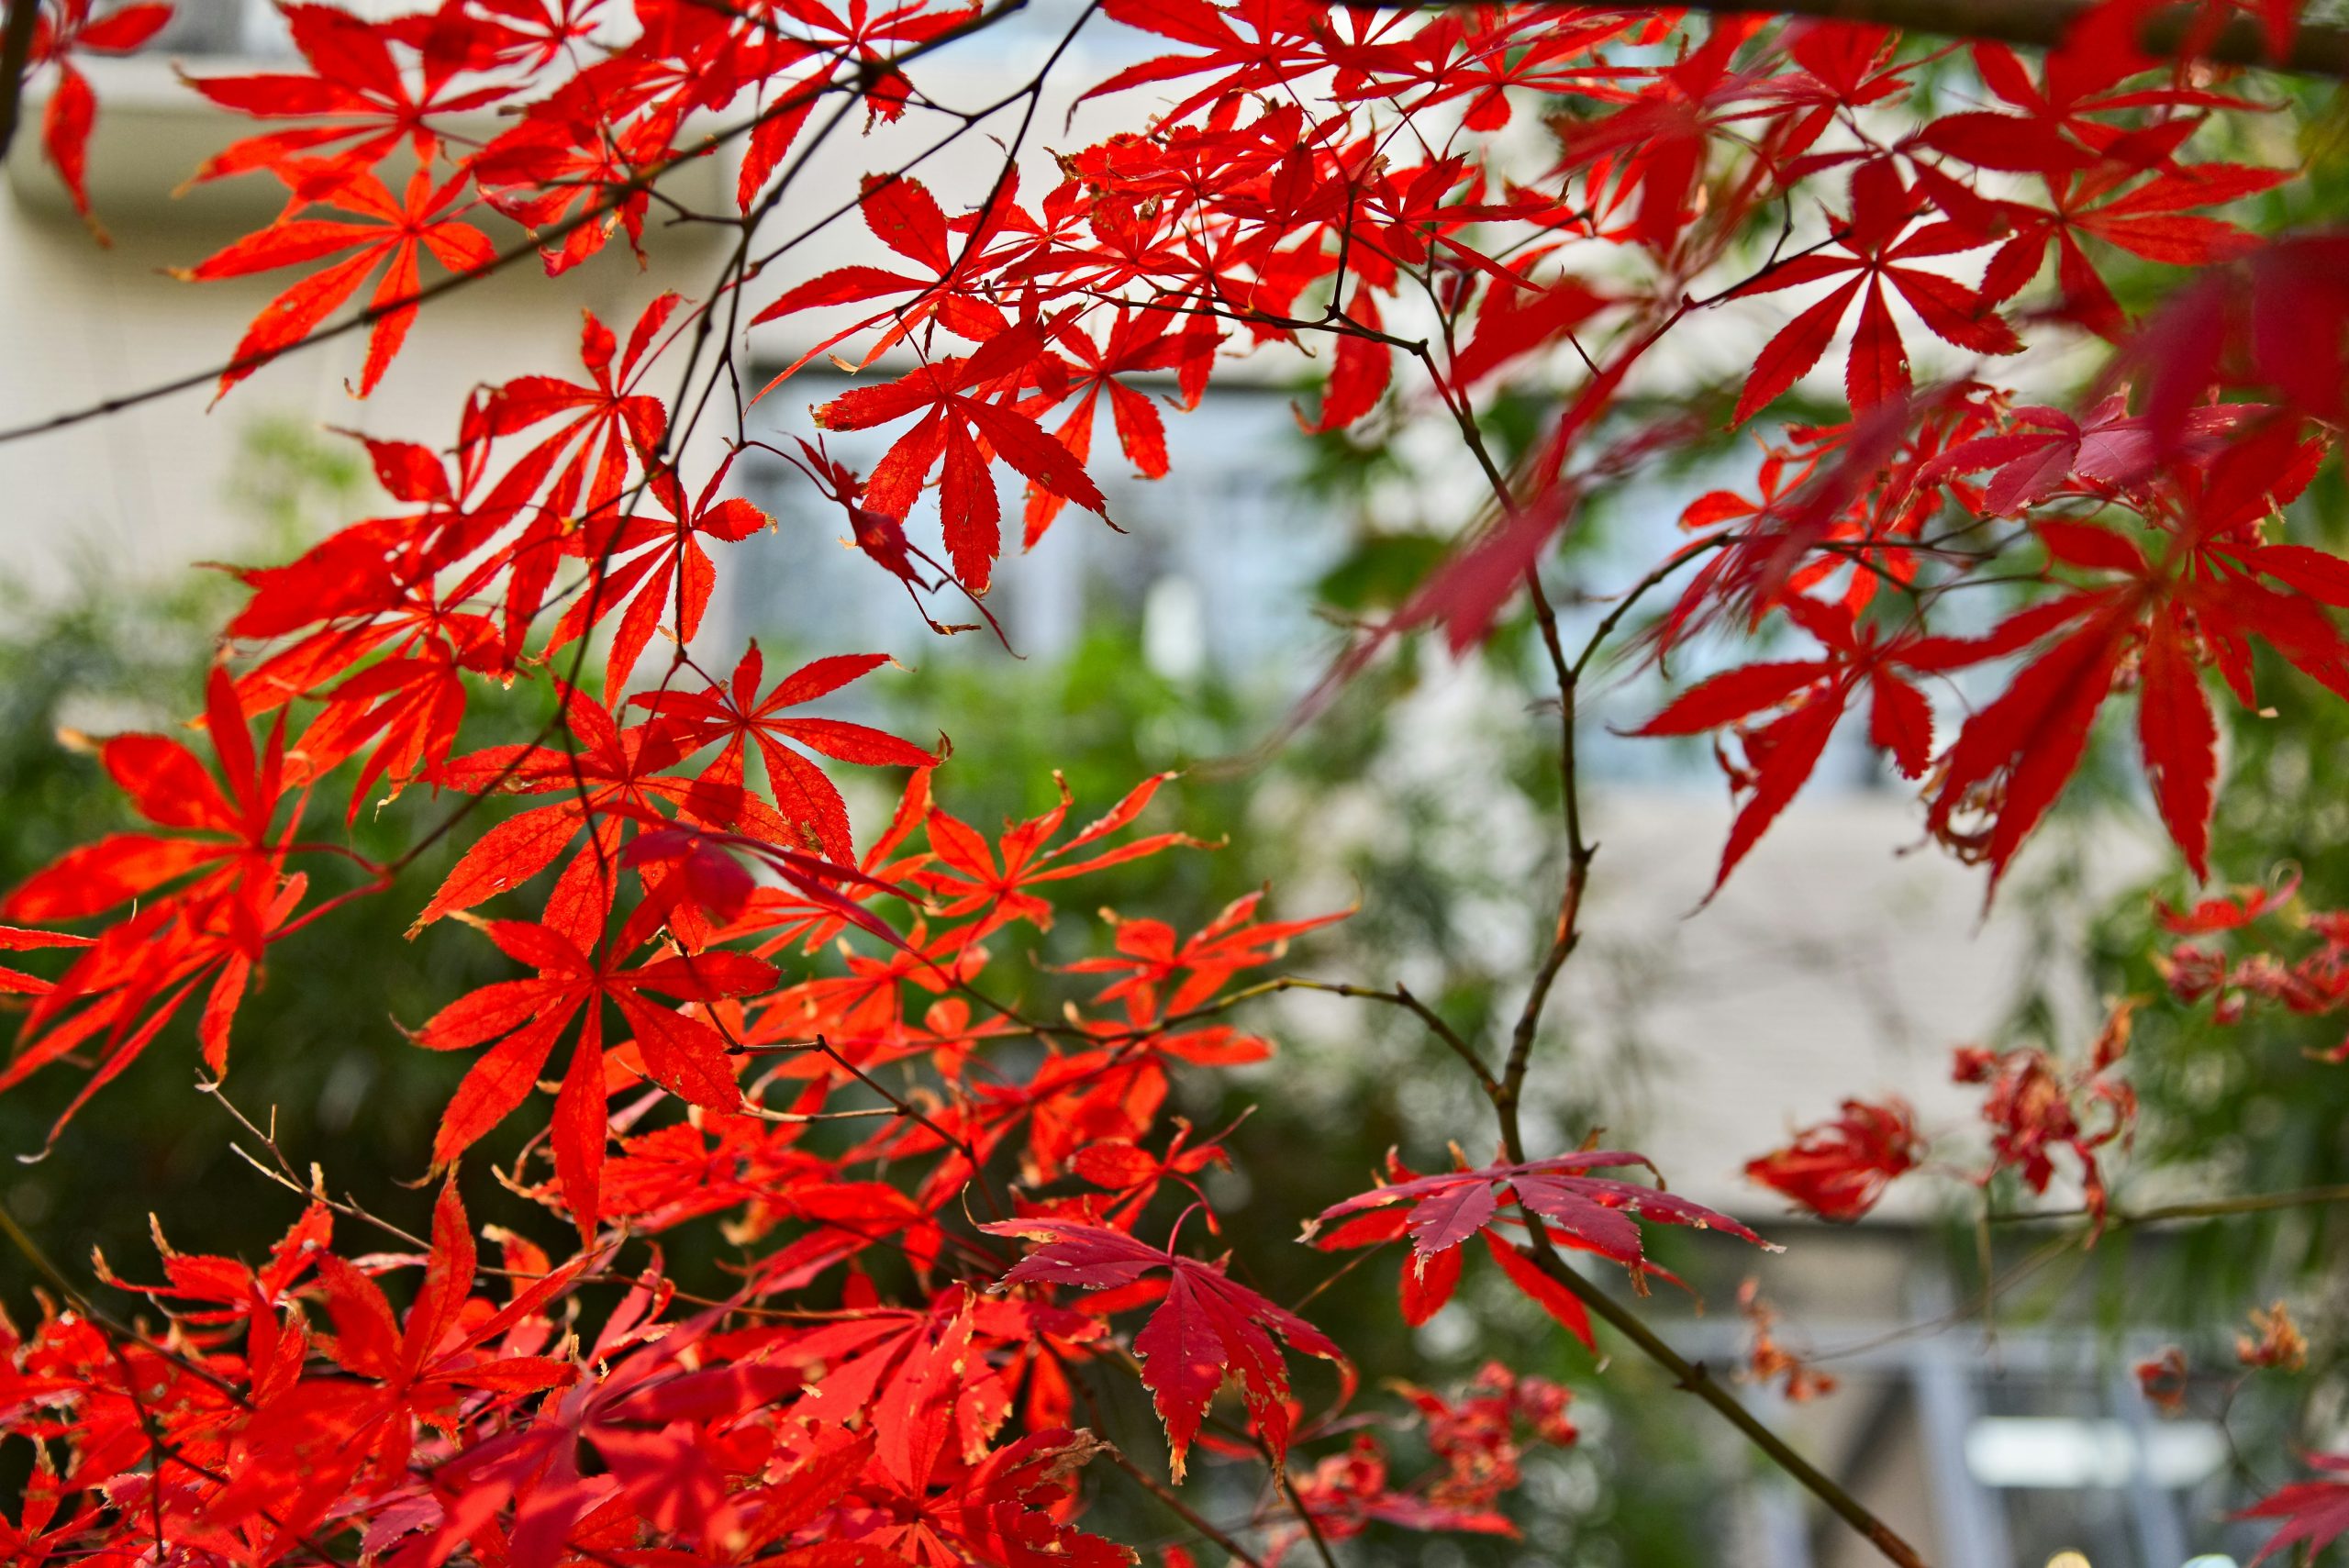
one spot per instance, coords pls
(2278, 320)
(2034, 1106)
(582, 163)
(1595, 1214)
(1271, 57)
(136, 976)
(230, 900)
(1206, 1329)
(660, 561)
(904, 216)
(963, 402)
(2063, 110)
(1657, 144)
(525, 1018)
(1880, 248)
(1138, 341)
(738, 716)
(2152, 221)
(1162, 973)
(20, 938)
(391, 233)
(1124, 1167)
(1813, 694)
(224, 833)
(2230, 911)
(358, 91)
(228, 1291)
(2046, 452)
(610, 776)
(967, 875)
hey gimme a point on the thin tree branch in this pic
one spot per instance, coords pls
(1693, 1377)
(2172, 1213)
(1181, 1509)
(1507, 1093)
(1296, 1501)
(1567, 931)
(15, 60)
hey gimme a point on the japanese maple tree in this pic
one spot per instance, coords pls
(962, 1218)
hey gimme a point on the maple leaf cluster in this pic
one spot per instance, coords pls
(721, 1009)
(2313, 983)
(297, 1404)
(2033, 1105)
(1480, 1435)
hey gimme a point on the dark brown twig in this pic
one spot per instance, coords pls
(15, 60)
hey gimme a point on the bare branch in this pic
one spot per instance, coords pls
(15, 60)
